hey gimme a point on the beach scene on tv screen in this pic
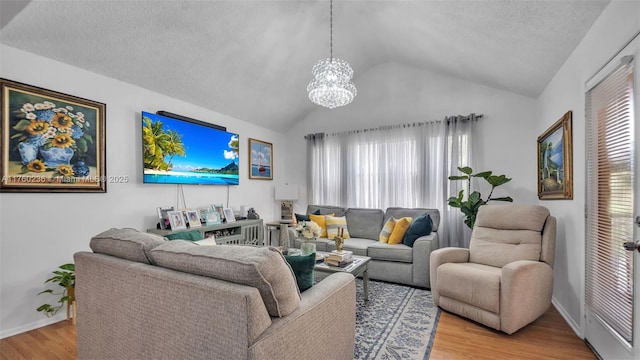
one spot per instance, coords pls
(183, 152)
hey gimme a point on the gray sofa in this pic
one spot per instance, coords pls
(394, 263)
(140, 296)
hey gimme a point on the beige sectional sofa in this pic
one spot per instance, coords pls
(140, 296)
(394, 263)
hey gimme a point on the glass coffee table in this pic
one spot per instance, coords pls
(357, 268)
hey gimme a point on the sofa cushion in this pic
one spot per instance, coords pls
(420, 226)
(387, 252)
(321, 221)
(474, 284)
(302, 266)
(399, 212)
(357, 245)
(334, 224)
(399, 230)
(261, 267)
(365, 223)
(126, 243)
(326, 210)
(507, 233)
(193, 235)
(386, 231)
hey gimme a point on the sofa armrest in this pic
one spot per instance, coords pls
(422, 248)
(525, 293)
(442, 256)
(327, 314)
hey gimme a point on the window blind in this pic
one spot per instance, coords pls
(610, 148)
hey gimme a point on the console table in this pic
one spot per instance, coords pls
(235, 232)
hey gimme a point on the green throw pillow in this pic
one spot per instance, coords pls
(303, 217)
(193, 235)
(303, 269)
(420, 226)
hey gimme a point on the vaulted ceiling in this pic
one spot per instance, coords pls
(252, 59)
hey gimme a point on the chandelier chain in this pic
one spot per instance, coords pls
(331, 30)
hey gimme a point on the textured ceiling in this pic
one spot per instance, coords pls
(252, 59)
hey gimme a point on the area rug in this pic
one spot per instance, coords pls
(398, 322)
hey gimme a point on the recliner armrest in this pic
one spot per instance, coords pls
(442, 256)
(525, 293)
(449, 255)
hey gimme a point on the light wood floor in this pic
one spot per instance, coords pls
(549, 337)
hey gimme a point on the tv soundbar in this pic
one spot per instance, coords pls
(180, 117)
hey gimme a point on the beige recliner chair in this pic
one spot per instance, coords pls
(505, 279)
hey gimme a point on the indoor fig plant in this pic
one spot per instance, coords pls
(65, 278)
(470, 205)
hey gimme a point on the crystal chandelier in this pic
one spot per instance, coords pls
(331, 86)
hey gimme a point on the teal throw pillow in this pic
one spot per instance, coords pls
(303, 269)
(193, 235)
(420, 226)
(303, 217)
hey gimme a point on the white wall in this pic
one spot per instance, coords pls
(617, 24)
(40, 231)
(395, 94)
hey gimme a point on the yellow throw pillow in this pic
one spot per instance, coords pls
(387, 230)
(398, 231)
(319, 219)
(333, 226)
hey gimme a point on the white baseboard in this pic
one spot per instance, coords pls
(33, 325)
(576, 327)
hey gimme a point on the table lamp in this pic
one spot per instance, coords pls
(287, 194)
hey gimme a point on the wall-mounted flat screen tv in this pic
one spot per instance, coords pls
(178, 151)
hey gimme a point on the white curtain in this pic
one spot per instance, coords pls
(400, 165)
(459, 154)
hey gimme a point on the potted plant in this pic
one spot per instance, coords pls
(66, 278)
(472, 203)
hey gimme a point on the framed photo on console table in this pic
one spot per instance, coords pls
(176, 218)
(50, 141)
(228, 215)
(193, 218)
(555, 161)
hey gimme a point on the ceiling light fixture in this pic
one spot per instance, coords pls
(332, 86)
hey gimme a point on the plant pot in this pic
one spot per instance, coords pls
(308, 248)
(71, 293)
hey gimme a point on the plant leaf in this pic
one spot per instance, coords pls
(465, 170)
(458, 177)
(484, 174)
(48, 291)
(69, 267)
(506, 198)
(497, 180)
(474, 197)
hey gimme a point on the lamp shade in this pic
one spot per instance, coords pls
(286, 192)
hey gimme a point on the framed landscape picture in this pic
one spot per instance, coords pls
(555, 161)
(261, 160)
(50, 141)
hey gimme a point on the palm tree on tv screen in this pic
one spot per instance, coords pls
(159, 144)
